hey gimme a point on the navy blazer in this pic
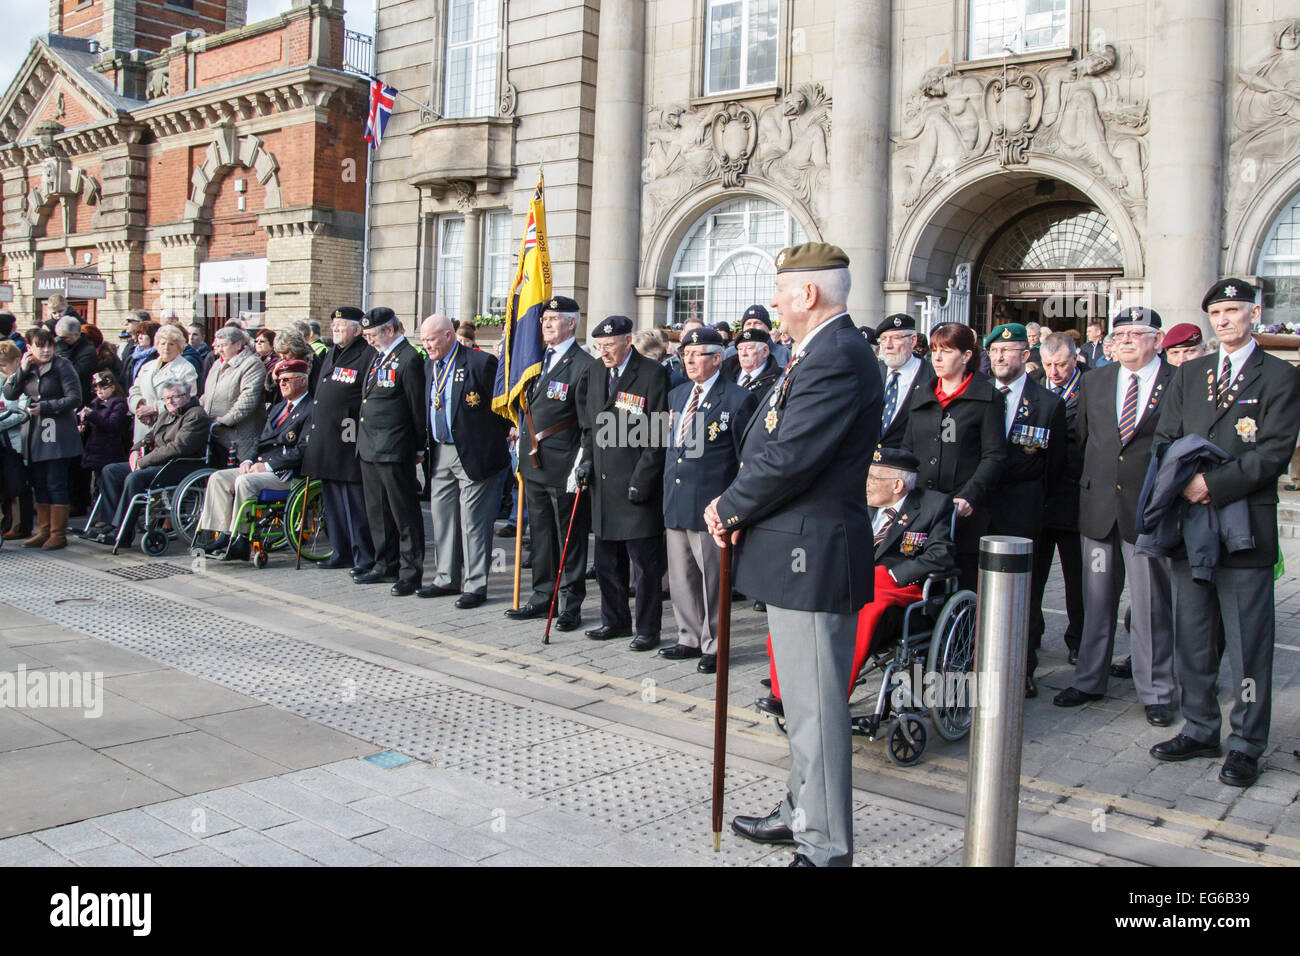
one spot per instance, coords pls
(281, 446)
(700, 470)
(479, 434)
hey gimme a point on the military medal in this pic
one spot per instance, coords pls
(770, 421)
(471, 399)
(441, 383)
(1246, 429)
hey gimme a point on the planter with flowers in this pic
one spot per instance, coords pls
(1279, 337)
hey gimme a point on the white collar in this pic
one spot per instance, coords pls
(392, 345)
(807, 339)
(1237, 358)
(1145, 373)
(704, 388)
(558, 351)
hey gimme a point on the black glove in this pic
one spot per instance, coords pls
(636, 497)
(583, 474)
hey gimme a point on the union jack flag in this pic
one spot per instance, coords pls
(382, 100)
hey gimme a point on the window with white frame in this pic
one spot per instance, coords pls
(498, 263)
(1279, 264)
(1018, 26)
(740, 45)
(451, 250)
(727, 262)
(471, 78)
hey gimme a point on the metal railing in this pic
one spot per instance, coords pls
(358, 53)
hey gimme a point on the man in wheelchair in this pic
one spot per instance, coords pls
(181, 431)
(271, 466)
(913, 539)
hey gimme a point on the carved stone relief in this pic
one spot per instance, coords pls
(785, 143)
(1266, 119)
(1075, 110)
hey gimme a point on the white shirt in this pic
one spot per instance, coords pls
(1013, 399)
(803, 346)
(558, 352)
(1146, 383)
(906, 375)
(619, 372)
(1237, 358)
(879, 520)
(391, 345)
(704, 391)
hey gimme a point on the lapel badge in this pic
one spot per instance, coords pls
(713, 431)
(289, 436)
(770, 421)
(1246, 429)
(471, 399)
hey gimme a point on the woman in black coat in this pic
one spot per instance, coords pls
(957, 431)
(106, 426)
(51, 385)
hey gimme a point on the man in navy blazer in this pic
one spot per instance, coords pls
(468, 445)
(709, 415)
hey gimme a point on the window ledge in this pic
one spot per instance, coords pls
(756, 93)
(1036, 56)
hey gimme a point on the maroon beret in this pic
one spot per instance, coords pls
(1182, 335)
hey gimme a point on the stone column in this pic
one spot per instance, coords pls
(1184, 206)
(859, 156)
(616, 172)
(471, 274)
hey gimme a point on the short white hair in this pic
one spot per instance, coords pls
(67, 326)
(833, 285)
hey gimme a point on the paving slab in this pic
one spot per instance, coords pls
(193, 762)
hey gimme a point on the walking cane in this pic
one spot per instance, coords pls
(720, 693)
(297, 535)
(519, 534)
(559, 573)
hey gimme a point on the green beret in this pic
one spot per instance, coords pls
(1007, 332)
(811, 257)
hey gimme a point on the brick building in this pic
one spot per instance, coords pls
(166, 155)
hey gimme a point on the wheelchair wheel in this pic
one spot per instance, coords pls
(952, 656)
(154, 543)
(260, 559)
(907, 741)
(306, 521)
(187, 504)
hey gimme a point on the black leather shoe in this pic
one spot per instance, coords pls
(1183, 747)
(766, 682)
(679, 652)
(1123, 670)
(1239, 770)
(771, 705)
(469, 600)
(568, 621)
(239, 550)
(526, 611)
(434, 590)
(334, 562)
(375, 576)
(403, 589)
(644, 642)
(360, 570)
(801, 860)
(213, 545)
(1073, 697)
(507, 532)
(1073, 656)
(605, 632)
(708, 664)
(1031, 688)
(1159, 715)
(760, 607)
(768, 829)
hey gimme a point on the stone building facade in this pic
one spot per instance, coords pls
(1052, 158)
(165, 155)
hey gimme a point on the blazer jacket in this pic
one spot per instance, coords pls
(479, 434)
(698, 471)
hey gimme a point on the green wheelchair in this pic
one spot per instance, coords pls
(291, 519)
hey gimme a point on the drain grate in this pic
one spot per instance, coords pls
(149, 572)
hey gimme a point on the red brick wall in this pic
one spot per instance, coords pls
(155, 23)
(74, 114)
(298, 38)
(168, 183)
(236, 233)
(258, 54)
(340, 139)
(81, 23)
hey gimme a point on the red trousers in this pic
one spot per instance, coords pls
(888, 593)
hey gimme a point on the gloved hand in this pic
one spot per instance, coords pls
(637, 497)
(583, 474)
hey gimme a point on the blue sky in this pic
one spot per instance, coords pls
(25, 19)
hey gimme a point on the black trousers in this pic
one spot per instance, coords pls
(649, 559)
(551, 509)
(1071, 550)
(345, 517)
(396, 522)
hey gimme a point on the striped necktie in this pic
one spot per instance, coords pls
(1129, 413)
(891, 401)
(688, 416)
(1225, 379)
(891, 515)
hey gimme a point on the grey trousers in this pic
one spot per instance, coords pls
(462, 512)
(813, 651)
(1243, 598)
(227, 491)
(1105, 565)
(694, 566)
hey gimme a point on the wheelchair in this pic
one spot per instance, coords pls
(281, 519)
(936, 634)
(163, 502)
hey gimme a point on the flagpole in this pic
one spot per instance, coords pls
(365, 236)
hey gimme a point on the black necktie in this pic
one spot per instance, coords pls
(546, 361)
(609, 383)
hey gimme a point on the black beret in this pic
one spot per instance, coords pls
(723, 327)
(613, 325)
(756, 312)
(1228, 290)
(868, 333)
(348, 312)
(378, 317)
(898, 458)
(754, 335)
(1137, 315)
(702, 335)
(898, 322)
(811, 257)
(562, 303)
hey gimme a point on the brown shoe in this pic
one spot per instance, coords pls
(58, 528)
(42, 527)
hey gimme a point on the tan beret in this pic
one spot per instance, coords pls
(811, 257)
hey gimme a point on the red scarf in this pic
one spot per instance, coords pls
(945, 398)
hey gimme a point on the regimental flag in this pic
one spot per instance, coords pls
(382, 100)
(521, 359)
